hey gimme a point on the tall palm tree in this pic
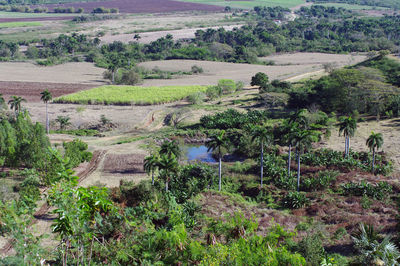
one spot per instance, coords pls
(289, 128)
(46, 97)
(168, 166)
(171, 148)
(348, 127)
(374, 141)
(264, 137)
(151, 165)
(15, 103)
(302, 139)
(300, 118)
(217, 142)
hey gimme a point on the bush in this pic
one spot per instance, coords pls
(197, 69)
(322, 181)
(196, 98)
(312, 249)
(130, 77)
(77, 153)
(378, 191)
(227, 86)
(295, 200)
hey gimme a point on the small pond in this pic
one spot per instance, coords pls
(199, 153)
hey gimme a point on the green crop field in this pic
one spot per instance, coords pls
(19, 24)
(352, 7)
(130, 95)
(250, 4)
(4, 14)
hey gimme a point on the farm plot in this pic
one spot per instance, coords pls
(77, 73)
(141, 6)
(130, 95)
(250, 3)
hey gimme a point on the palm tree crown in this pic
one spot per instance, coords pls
(46, 96)
(375, 141)
(15, 103)
(151, 164)
(171, 148)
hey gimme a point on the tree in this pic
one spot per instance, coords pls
(2, 101)
(136, 37)
(302, 139)
(46, 97)
(151, 164)
(260, 79)
(263, 135)
(347, 126)
(374, 141)
(63, 121)
(15, 103)
(114, 62)
(171, 148)
(289, 128)
(217, 142)
(168, 165)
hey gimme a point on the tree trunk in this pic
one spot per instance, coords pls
(166, 186)
(298, 170)
(219, 173)
(262, 163)
(47, 121)
(113, 76)
(152, 178)
(348, 146)
(289, 159)
(373, 160)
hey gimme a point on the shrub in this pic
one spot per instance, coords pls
(197, 69)
(322, 181)
(196, 98)
(130, 77)
(295, 200)
(77, 153)
(312, 249)
(378, 191)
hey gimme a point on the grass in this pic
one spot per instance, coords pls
(352, 7)
(250, 4)
(130, 95)
(19, 24)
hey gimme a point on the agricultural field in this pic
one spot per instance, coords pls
(250, 4)
(130, 95)
(19, 24)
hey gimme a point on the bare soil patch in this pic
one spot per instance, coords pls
(140, 6)
(31, 90)
(124, 164)
(76, 73)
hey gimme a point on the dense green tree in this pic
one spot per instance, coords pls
(171, 147)
(46, 97)
(374, 142)
(260, 79)
(216, 143)
(169, 166)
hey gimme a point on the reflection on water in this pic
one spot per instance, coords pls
(199, 153)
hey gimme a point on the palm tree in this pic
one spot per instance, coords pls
(63, 121)
(264, 136)
(216, 143)
(15, 103)
(289, 128)
(171, 148)
(300, 118)
(348, 127)
(168, 166)
(374, 141)
(302, 139)
(2, 101)
(46, 97)
(151, 165)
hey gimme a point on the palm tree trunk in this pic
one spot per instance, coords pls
(298, 170)
(166, 186)
(152, 177)
(289, 159)
(373, 160)
(262, 163)
(219, 173)
(348, 145)
(345, 146)
(112, 77)
(47, 121)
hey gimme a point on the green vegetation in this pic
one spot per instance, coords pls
(19, 24)
(249, 4)
(373, 3)
(127, 95)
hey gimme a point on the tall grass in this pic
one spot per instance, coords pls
(130, 95)
(19, 24)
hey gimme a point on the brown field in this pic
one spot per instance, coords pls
(214, 71)
(140, 6)
(31, 90)
(147, 37)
